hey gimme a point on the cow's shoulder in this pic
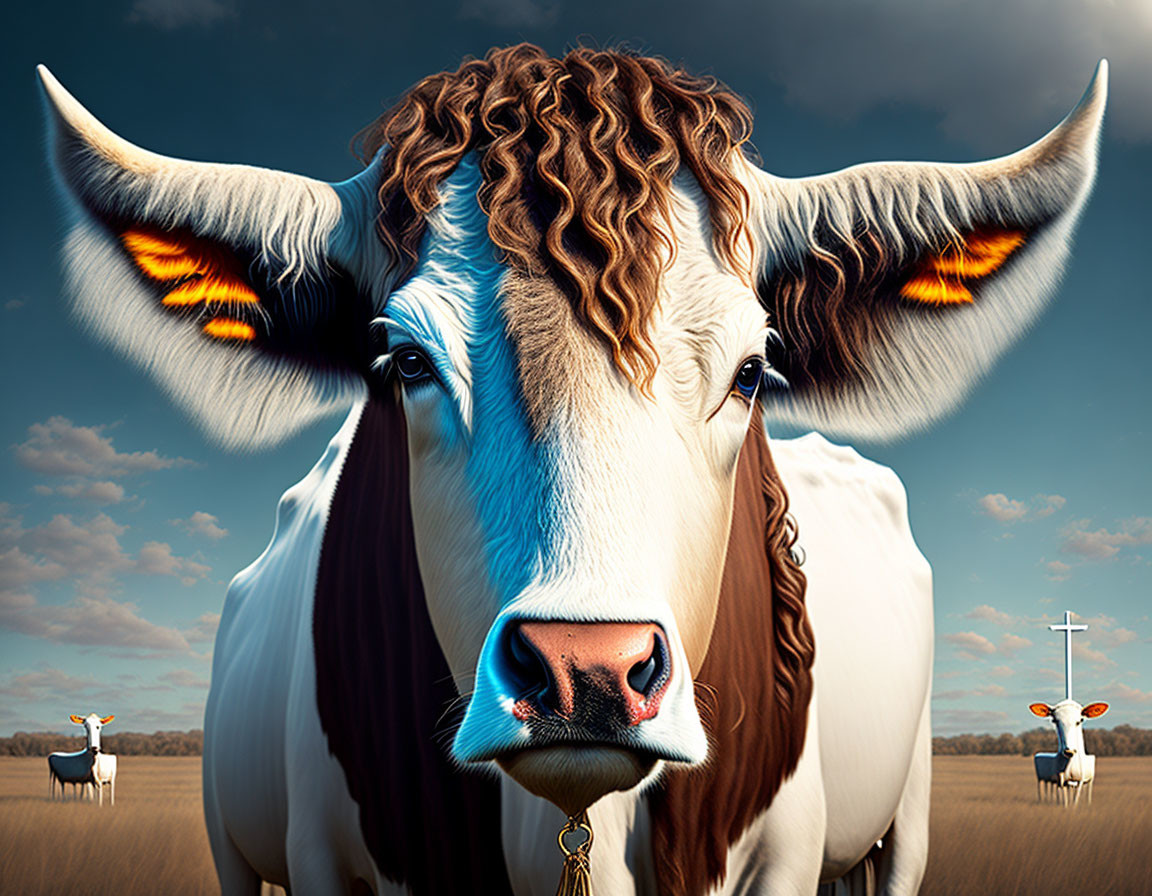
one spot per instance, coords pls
(813, 464)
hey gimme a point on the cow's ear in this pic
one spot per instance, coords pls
(896, 285)
(79, 720)
(1043, 710)
(1095, 710)
(106, 720)
(246, 292)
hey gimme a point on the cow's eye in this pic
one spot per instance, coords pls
(412, 365)
(748, 377)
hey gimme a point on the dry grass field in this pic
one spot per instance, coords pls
(989, 836)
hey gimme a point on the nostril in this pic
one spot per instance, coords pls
(640, 676)
(530, 676)
(648, 676)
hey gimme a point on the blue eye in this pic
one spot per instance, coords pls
(748, 377)
(411, 365)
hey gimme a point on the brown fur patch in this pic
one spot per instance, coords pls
(383, 686)
(753, 689)
(578, 156)
(558, 365)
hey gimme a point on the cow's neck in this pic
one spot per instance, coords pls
(383, 684)
(753, 690)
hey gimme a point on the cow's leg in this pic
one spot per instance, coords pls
(905, 853)
(113, 793)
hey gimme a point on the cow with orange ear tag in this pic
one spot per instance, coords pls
(89, 768)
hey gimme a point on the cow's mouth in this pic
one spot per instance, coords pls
(574, 776)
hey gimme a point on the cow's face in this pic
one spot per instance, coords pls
(93, 725)
(555, 503)
(570, 528)
(1068, 718)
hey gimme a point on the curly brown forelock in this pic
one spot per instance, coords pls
(577, 156)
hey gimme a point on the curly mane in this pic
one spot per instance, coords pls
(578, 156)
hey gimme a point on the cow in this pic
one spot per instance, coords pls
(547, 562)
(1071, 767)
(90, 767)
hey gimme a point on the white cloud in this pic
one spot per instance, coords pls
(1083, 650)
(971, 643)
(169, 15)
(1003, 671)
(1010, 510)
(1011, 644)
(90, 621)
(89, 552)
(51, 682)
(1128, 694)
(156, 558)
(1102, 544)
(18, 569)
(1049, 504)
(1000, 507)
(990, 614)
(58, 447)
(85, 490)
(201, 523)
(1058, 571)
(204, 629)
(185, 678)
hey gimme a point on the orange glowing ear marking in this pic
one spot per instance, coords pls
(1094, 710)
(943, 279)
(77, 719)
(1040, 709)
(227, 328)
(106, 720)
(192, 270)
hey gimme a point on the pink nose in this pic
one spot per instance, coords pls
(625, 663)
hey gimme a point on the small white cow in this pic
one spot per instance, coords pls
(89, 766)
(1071, 769)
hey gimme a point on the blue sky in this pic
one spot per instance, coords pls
(121, 525)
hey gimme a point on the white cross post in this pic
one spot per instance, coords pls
(1068, 628)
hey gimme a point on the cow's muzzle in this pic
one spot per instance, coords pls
(587, 681)
(573, 710)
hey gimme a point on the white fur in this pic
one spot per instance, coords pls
(243, 399)
(933, 360)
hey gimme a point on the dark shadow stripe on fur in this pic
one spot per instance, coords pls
(383, 684)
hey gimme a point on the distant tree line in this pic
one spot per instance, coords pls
(125, 743)
(1123, 740)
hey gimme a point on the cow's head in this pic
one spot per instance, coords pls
(93, 724)
(1068, 718)
(560, 271)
